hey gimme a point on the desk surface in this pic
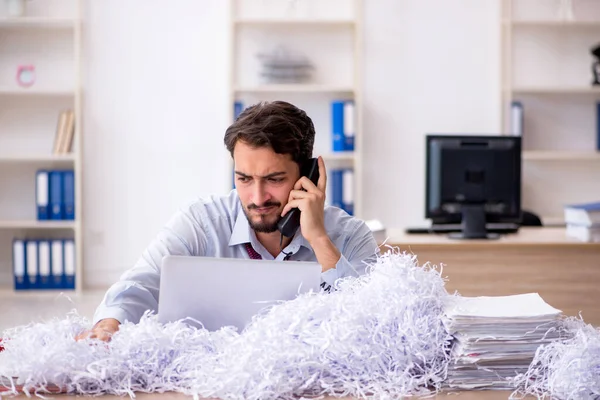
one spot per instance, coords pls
(526, 236)
(467, 395)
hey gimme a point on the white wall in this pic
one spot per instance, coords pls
(156, 108)
(431, 66)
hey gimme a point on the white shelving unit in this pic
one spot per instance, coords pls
(330, 35)
(48, 37)
(546, 65)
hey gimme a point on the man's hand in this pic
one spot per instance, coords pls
(310, 200)
(103, 330)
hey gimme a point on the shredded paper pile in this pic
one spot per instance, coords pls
(377, 336)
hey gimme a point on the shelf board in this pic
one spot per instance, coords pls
(33, 91)
(295, 88)
(34, 224)
(340, 156)
(292, 21)
(561, 156)
(556, 90)
(555, 23)
(28, 158)
(8, 292)
(38, 22)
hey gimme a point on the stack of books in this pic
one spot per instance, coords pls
(583, 221)
(495, 338)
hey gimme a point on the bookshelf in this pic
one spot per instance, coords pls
(546, 66)
(329, 34)
(49, 37)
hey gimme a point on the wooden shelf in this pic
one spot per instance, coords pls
(294, 88)
(553, 24)
(556, 90)
(33, 91)
(66, 158)
(561, 156)
(38, 22)
(34, 224)
(9, 292)
(265, 22)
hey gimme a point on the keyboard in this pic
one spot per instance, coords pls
(501, 228)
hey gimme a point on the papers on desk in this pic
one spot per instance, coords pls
(496, 337)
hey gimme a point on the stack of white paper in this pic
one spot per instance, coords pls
(496, 337)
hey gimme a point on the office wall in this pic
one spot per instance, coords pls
(155, 112)
(156, 108)
(431, 66)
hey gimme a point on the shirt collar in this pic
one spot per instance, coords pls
(242, 233)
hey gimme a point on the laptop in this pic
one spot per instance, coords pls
(219, 292)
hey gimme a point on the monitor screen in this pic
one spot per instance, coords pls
(473, 171)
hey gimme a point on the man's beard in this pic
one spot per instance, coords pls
(263, 226)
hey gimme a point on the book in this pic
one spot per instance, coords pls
(584, 233)
(65, 130)
(585, 214)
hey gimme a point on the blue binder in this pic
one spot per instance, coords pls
(337, 125)
(31, 264)
(69, 263)
(238, 107)
(56, 195)
(44, 264)
(19, 264)
(348, 191)
(598, 126)
(69, 195)
(42, 186)
(57, 266)
(337, 189)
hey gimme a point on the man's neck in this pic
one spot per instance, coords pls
(271, 242)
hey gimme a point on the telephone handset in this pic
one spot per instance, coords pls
(290, 223)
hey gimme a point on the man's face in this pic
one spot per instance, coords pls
(263, 180)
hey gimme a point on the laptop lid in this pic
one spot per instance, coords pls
(221, 292)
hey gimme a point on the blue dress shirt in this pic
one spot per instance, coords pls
(218, 227)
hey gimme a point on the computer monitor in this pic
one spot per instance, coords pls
(473, 180)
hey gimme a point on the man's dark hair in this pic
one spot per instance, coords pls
(279, 125)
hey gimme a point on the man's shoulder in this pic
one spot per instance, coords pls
(339, 223)
(215, 206)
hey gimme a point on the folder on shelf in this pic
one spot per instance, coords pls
(348, 191)
(42, 187)
(69, 263)
(44, 264)
(56, 195)
(19, 264)
(31, 264)
(337, 125)
(598, 126)
(238, 107)
(69, 194)
(57, 266)
(65, 131)
(349, 126)
(337, 190)
(60, 132)
(67, 144)
(516, 118)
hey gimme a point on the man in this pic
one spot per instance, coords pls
(268, 142)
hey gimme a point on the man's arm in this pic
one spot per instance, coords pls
(360, 250)
(137, 289)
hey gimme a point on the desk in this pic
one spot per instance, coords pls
(564, 271)
(470, 395)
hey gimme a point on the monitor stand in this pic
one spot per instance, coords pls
(473, 224)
